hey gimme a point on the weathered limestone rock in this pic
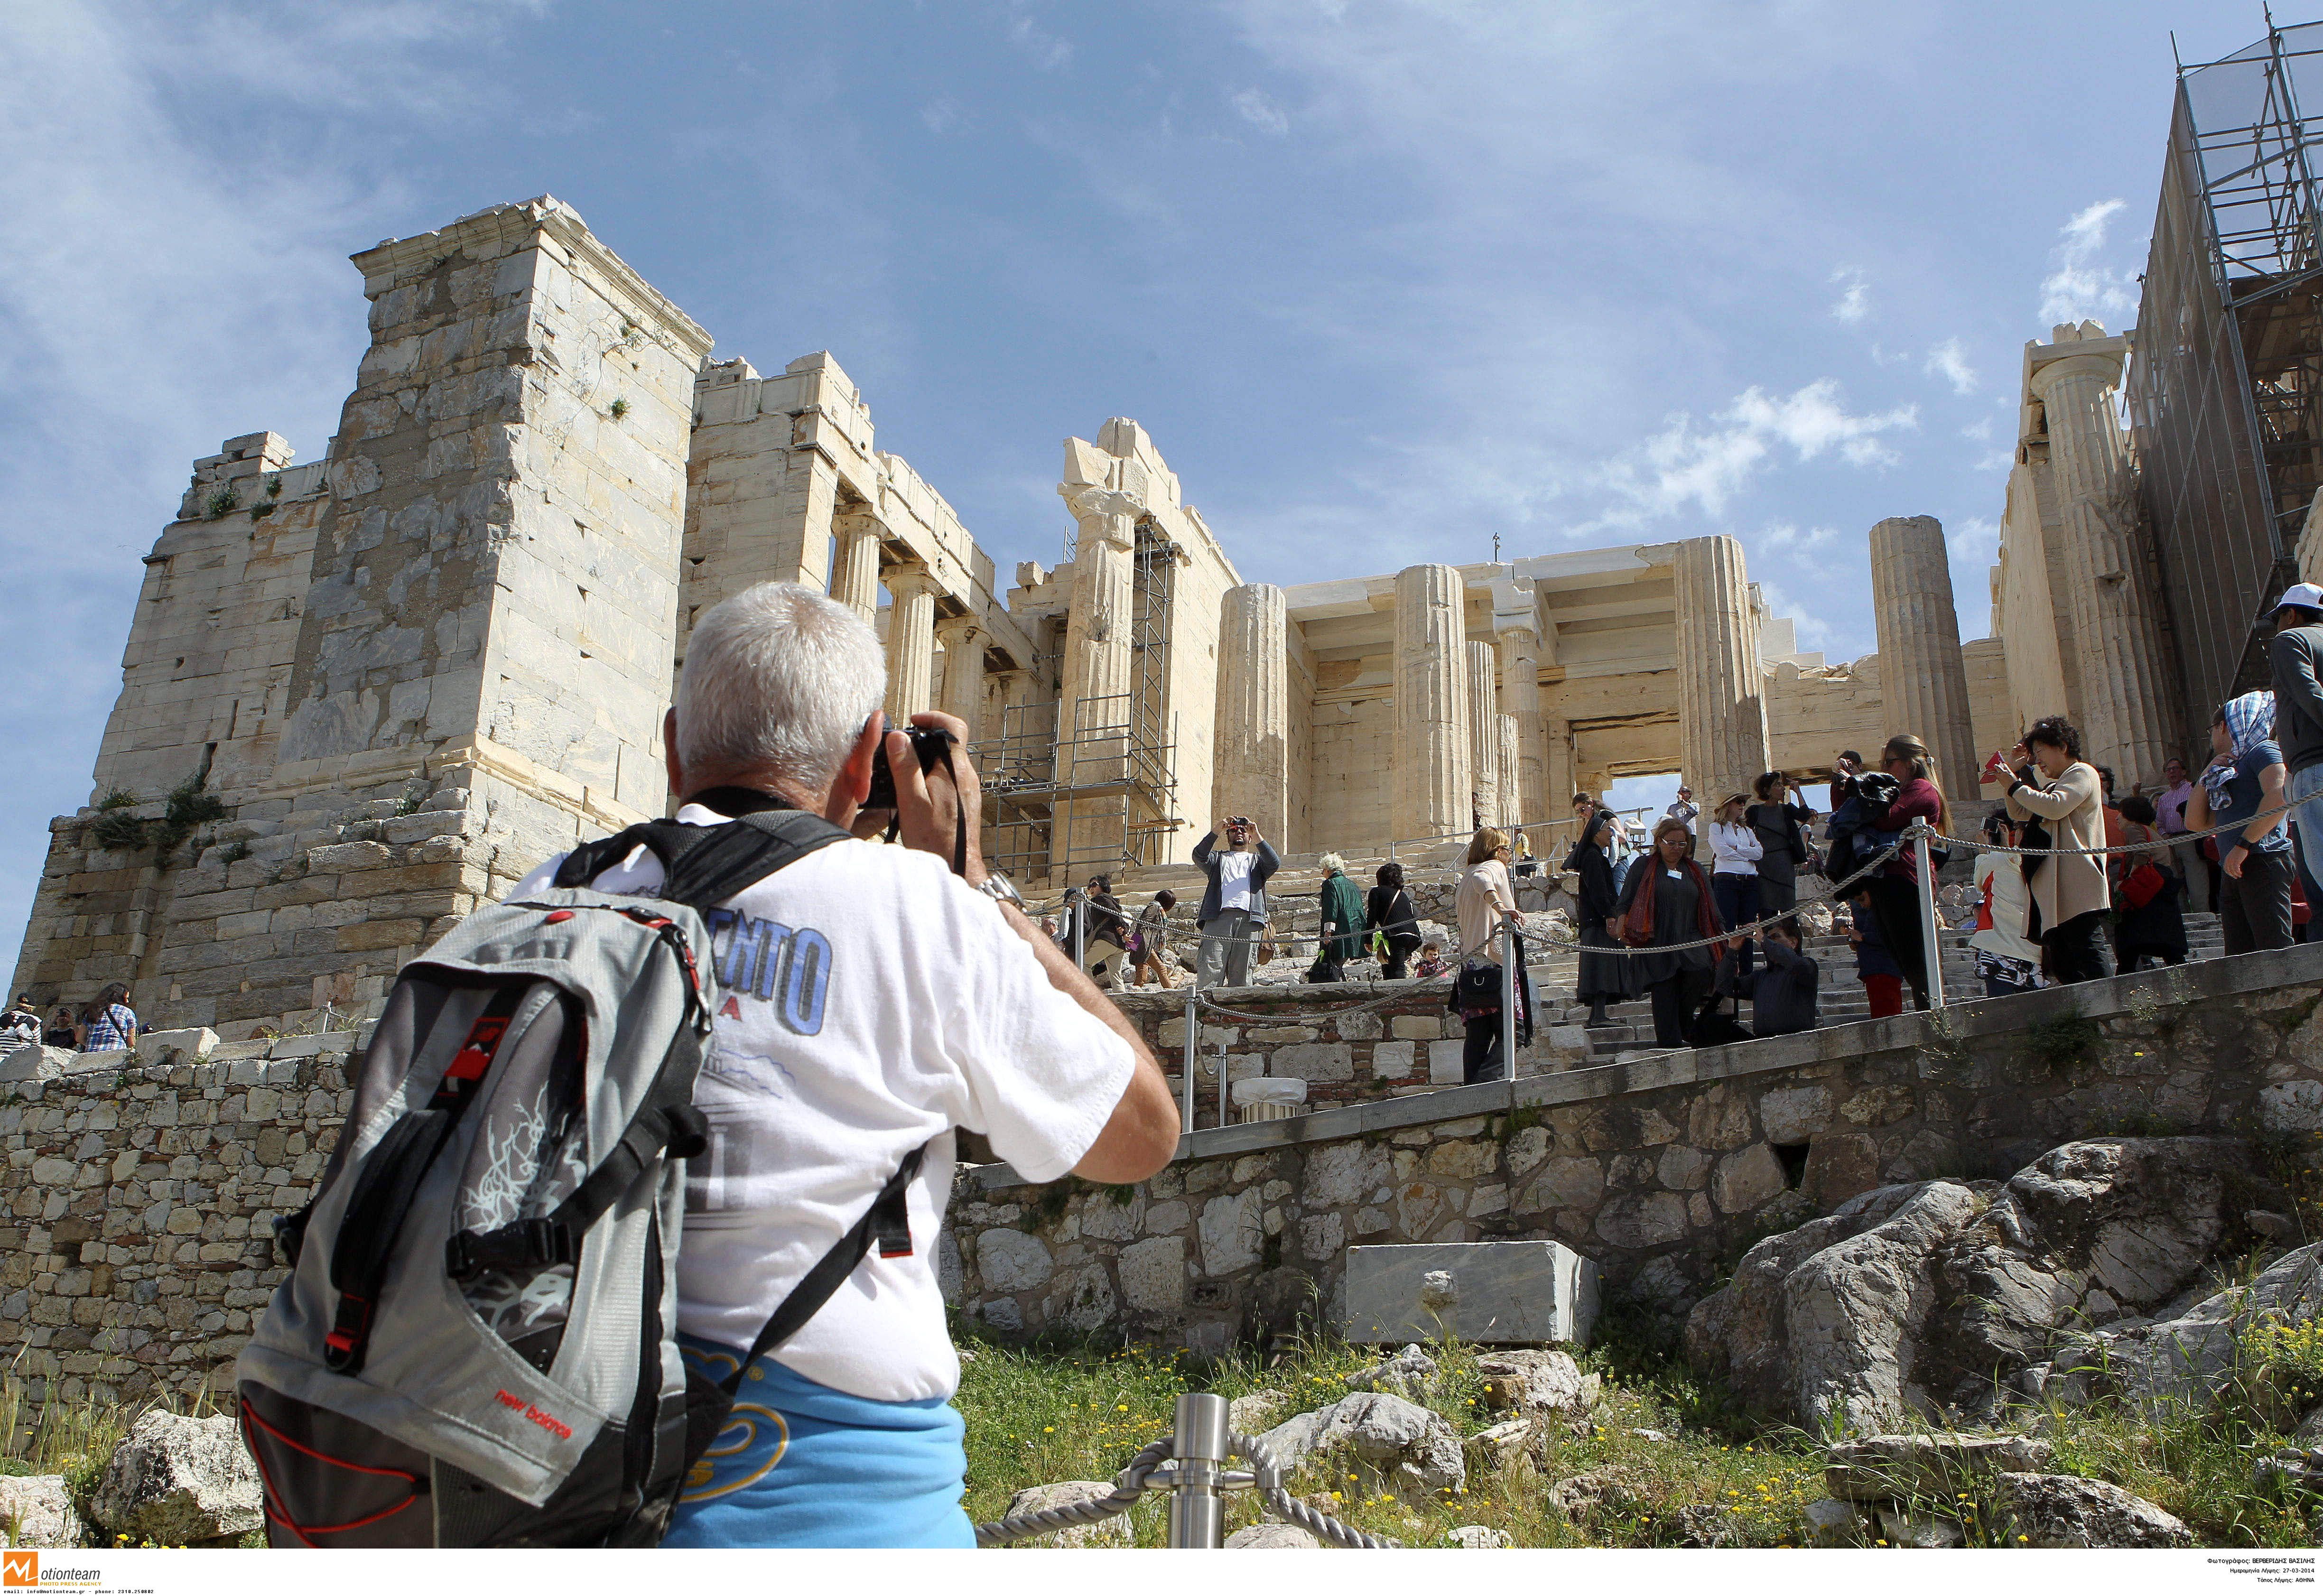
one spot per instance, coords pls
(175, 1480)
(1067, 1493)
(1503, 1443)
(2193, 1355)
(1478, 1537)
(1721, 701)
(1885, 1468)
(1411, 1447)
(1923, 684)
(1833, 1523)
(1535, 1383)
(1271, 1537)
(1406, 1374)
(1914, 1299)
(1252, 731)
(2065, 1511)
(1509, 1291)
(1919, 1531)
(1429, 754)
(2115, 614)
(37, 1510)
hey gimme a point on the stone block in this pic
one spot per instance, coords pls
(1507, 1292)
(1153, 1274)
(1446, 1063)
(1416, 1027)
(191, 1046)
(33, 1062)
(1313, 1060)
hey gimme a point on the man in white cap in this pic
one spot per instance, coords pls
(2296, 659)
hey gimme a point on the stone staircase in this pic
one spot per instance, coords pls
(1842, 1000)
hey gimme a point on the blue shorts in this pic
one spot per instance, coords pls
(799, 1464)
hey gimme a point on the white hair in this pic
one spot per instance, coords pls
(1330, 862)
(779, 678)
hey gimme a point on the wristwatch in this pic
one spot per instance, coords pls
(1000, 890)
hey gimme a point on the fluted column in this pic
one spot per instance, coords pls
(1922, 683)
(1559, 778)
(1722, 714)
(855, 579)
(1253, 735)
(1483, 737)
(1093, 708)
(963, 638)
(911, 641)
(1537, 797)
(1504, 729)
(2115, 612)
(1430, 758)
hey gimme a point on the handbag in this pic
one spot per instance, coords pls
(1476, 989)
(2142, 886)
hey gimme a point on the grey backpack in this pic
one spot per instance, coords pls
(476, 1345)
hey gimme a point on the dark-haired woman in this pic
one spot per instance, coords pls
(1777, 816)
(1389, 912)
(2069, 897)
(1895, 890)
(1668, 901)
(1605, 976)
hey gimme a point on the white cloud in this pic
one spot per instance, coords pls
(1262, 112)
(941, 116)
(1684, 464)
(1854, 302)
(1786, 536)
(1946, 361)
(2079, 285)
(1047, 51)
(1978, 431)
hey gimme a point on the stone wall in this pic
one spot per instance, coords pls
(1407, 1044)
(1662, 1171)
(134, 1236)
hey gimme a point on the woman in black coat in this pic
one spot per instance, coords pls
(1388, 908)
(1604, 977)
(1778, 817)
(1667, 902)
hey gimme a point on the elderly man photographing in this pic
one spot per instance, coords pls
(943, 1007)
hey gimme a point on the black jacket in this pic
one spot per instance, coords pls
(1783, 1000)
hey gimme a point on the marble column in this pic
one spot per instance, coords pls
(1922, 683)
(911, 641)
(1504, 729)
(855, 580)
(1536, 798)
(1484, 737)
(963, 638)
(1721, 704)
(1430, 758)
(1093, 707)
(1559, 778)
(1253, 730)
(2123, 712)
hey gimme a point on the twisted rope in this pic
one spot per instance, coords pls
(1267, 1474)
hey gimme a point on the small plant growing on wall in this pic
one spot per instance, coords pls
(114, 826)
(222, 501)
(618, 409)
(2064, 1043)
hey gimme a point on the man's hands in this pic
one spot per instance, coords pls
(929, 803)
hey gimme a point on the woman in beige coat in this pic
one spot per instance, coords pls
(2070, 896)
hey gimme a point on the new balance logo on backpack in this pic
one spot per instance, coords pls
(476, 1344)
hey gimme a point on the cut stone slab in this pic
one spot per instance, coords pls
(175, 1480)
(1892, 1468)
(1508, 1292)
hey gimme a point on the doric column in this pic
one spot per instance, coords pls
(855, 580)
(2115, 625)
(1430, 758)
(1721, 705)
(1253, 735)
(1559, 778)
(1483, 737)
(911, 641)
(1537, 797)
(1093, 708)
(1504, 729)
(1922, 683)
(963, 638)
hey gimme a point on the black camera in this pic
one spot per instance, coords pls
(932, 744)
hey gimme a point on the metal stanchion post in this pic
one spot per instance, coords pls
(1193, 1042)
(1198, 1513)
(1510, 953)
(1933, 951)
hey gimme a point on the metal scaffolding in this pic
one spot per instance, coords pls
(1108, 783)
(2226, 389)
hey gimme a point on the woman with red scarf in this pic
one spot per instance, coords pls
(1667, 900)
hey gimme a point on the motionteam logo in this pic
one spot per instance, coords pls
(22, 1570)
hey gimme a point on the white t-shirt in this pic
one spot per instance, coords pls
(1734, 850)
(873, 1002)
(1234, 877)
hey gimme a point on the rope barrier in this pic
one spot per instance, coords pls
(1266, 1476)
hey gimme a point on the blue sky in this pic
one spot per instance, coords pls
(1382, 280)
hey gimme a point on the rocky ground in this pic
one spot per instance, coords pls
(2120, 1346)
